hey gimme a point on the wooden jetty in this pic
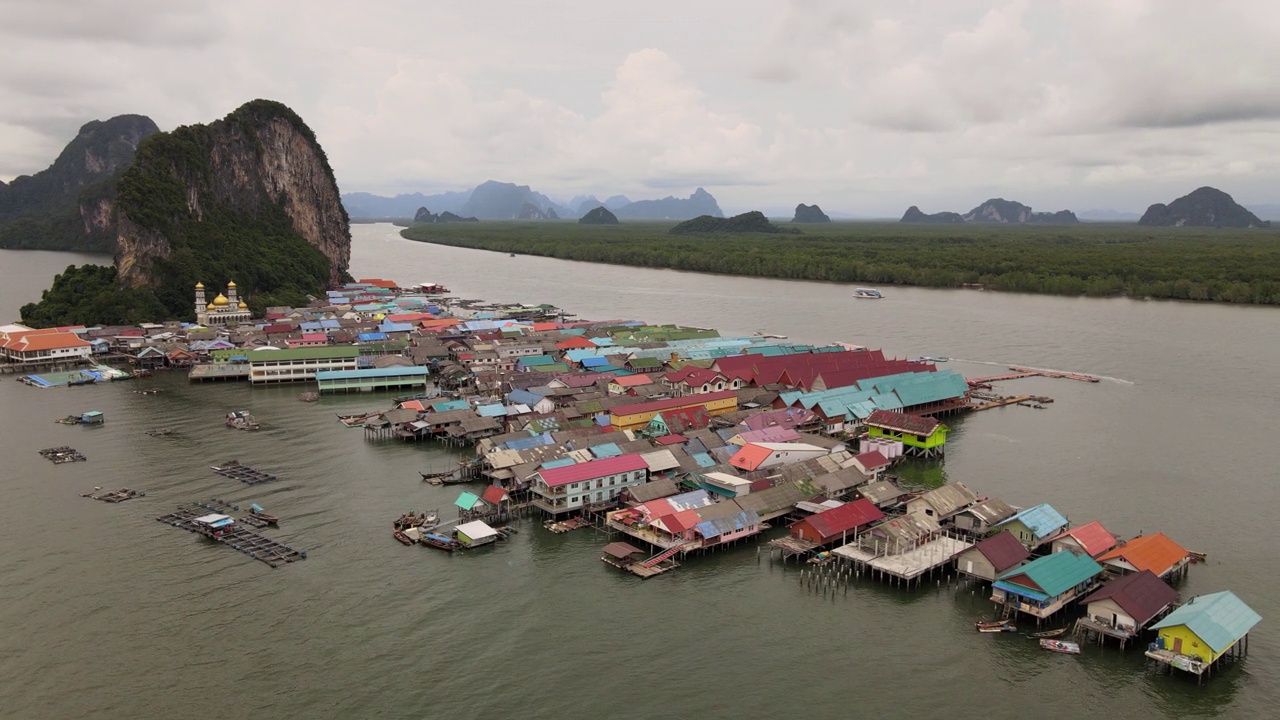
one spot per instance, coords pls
(195, 518)
(1017, 371)
(1004, 401)
(113, 496)
(789, 547)
(245, 474)
(64, 454)
(626, 556)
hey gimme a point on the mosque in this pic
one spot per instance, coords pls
(223, 310)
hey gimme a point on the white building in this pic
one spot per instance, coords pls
(226, 309)
(572, 487)
(43, 346)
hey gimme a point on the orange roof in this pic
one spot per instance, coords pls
(379, 282)
(575, 343)
(631, 380)
(750, 457)
(1156, 553)
(439, 323)
(30, 342)
(413, 405)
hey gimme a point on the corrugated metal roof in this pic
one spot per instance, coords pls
(1157, 553)
(467, 500)
(1041, 519)
(1092, 537)
(1003, 551)
(848, 517)
(1049, 576)
(593, 469)
(1219, 619)
(1141, 595)
(652, 490)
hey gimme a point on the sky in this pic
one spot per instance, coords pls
(862, 107)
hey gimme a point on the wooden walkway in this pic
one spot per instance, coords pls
(245, 474)
(256, 546)
(1017, 371)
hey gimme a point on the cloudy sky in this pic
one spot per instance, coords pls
(864, 107)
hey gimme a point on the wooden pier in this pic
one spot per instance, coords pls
(245, 474)
(1017, 371)
(253, 544)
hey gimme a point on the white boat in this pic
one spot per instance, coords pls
(867, 294)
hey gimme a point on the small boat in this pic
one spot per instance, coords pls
(404, 539)
(768, 335)
(1049, 633)
(256, 511)
(1197, 557)
(867, 294)
(429, 520)
(81, 381)
(998, 629)
(407, 520)
(991, 623)
(241, 420)
(1060, 646)
(440, 542)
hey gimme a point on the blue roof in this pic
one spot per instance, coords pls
(371, 337)
(531, 360)
(1042, 520)
(704, 460)
(524, 397)
(558, 462)
(390, 327)
(323, 375)
(606, 450)
(1054, 574)
(494, 410)
(1219, 619)
(594, 361)
(728, 524)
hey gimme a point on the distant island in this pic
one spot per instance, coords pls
(1203, 207)
(249, 198)
(493, 200)
(426, 216)
(599, 216)
(810, 214)
(995, 210)
(70, 205)
(748, 222)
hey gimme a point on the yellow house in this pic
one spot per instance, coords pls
(635, 417)
(1200, 632)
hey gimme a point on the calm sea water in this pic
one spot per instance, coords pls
(109, 614)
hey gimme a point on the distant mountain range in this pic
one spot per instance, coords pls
(494, 200)
(995, 210)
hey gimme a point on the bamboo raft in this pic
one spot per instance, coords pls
(113, 496)
(250, 476)
(64, 454)
(253, 544)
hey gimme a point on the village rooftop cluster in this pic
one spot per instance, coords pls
(684, 441)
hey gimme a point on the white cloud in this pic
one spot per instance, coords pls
(865, 107)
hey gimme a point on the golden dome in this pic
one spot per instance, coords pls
(211, 307)
(231, 284)
(220, 301)
(199, 286)
(243, 306)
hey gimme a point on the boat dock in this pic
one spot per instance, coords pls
(219, 371)
(789, 547)
(245, 474)
(64, 454)
(1018, 371)
(630, 558)
(253, 544)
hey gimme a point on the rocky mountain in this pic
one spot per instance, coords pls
(810, 214)
(599, 216)
(258, 171)
(424, 215)
(69, 205)
(494, 200)
(616, 202)
(529, 211)
(672, 208)
(995, 210)
(1204, 207)
(365, 206)
(748, 222)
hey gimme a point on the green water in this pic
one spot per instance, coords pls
(109, 614)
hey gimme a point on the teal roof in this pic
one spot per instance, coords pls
(1054, 574)
(1219, 619)
(466, 501)
(1042, 520)
(534, 360)
(372, 373)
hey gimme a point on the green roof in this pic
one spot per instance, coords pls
(1055, 574)
(645, 362)
(325, 352)
(1219, 619)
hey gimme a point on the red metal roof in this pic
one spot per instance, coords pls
(1094, 538)
(555, 477)
(575, 343)
(750, 457)
(494, 495)
(1003, 551)
(830, 524)
(672, 439)
(680, 521)
(837, 369)
(1141, 595)
(872, 460)
(901, 422)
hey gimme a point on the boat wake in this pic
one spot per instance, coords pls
(1120, 381)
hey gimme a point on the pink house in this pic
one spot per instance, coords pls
(308, 340)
